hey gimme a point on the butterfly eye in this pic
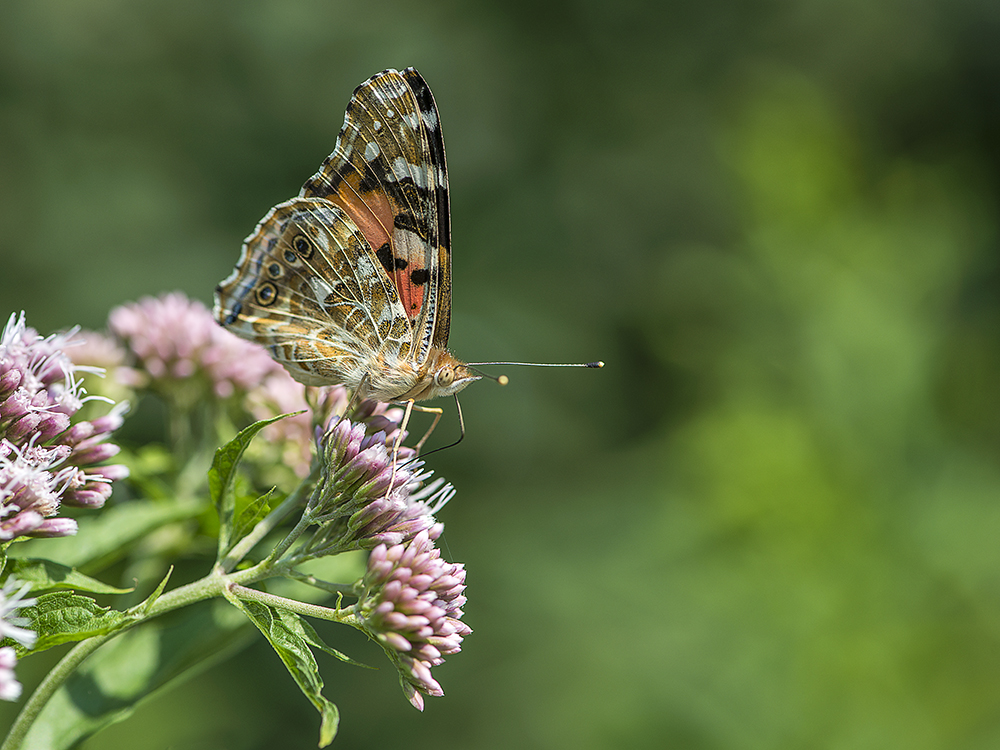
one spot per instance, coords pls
(266, 294)
(444, 377)
(302, 246)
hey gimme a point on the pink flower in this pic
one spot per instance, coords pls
(179, 346)
(412, 604)
(12, 598)
(10, 688)
(277, 394)
(366, 496)
(12, 626)
(47, 455)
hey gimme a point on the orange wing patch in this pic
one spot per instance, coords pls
(372, 213)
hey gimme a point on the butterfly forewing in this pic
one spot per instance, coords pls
(388, 173)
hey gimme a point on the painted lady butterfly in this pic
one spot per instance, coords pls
(350, 282)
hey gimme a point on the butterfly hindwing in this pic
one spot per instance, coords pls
(388, 173)
(309, 288)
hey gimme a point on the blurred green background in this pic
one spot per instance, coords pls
(772, 519)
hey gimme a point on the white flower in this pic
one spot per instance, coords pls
(12, 599)
(10, 688)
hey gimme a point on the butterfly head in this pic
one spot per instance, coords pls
(443, 375)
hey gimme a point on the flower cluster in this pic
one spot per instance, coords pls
(365, 489)
(11, 626)
(178, 345)
(46, 457)
(367, 495)
(178, 350)
(372, 493)
(411, 602)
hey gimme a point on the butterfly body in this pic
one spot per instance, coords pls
(350, 282)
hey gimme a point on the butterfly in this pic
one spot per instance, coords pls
(350, 282)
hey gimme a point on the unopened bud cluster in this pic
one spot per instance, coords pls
(369, 493)
(412, 604)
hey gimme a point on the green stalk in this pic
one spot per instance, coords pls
(52, 682)
(301, 608)
(208, 587)
(268, 523)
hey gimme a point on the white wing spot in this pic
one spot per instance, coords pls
(364, 266)
(376, 125)
(320, 289)
(430, 119)
(401, 169)
(371, 151)
(389, 113)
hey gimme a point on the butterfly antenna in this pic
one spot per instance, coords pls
(503, 379)
(592, 365)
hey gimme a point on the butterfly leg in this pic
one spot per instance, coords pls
(438, 412)
(356, 398)
(410, 408)
(398, 441)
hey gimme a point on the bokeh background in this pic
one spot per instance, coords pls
(772, 519)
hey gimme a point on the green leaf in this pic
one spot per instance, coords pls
(151, 599)
(286, 633)
(61, 617)
(223, 473)
(135, 666)
(45, 575)
(254, 512)
(308, 634)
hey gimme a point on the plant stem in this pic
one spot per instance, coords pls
(311, 610)
(311, 580)
(53, 680)
(268, 523)
(208, 587)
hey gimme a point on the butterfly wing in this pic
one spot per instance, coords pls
(309, 287)
(388, 173)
